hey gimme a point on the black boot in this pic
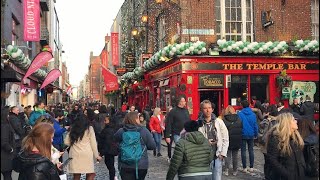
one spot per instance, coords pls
(159, 155)
(154, 152)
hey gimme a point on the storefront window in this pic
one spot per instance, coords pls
(259, 86)
(238, 90)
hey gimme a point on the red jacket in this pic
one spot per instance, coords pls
(155, 123)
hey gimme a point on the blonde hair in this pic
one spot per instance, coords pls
(156, 111)
(229, 110)
(283, 130)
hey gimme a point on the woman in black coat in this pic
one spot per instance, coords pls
(108, 146)
(284, 157)
(234, 126)
(8, 146)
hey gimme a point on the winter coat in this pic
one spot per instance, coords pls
(107, 144)
(284, 167)
(249, 123)
(295, 108)
(156, 123)
(192, 154)
(8, 146)
(58, 133)
(307, 109)
(35, 115)
(222, 134)
(234, 126)
(175, 121)
(17, 125)
(147, 140)
(83, 152)
(35, 166)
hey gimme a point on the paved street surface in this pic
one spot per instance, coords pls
(158, 167)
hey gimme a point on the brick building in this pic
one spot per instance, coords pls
(95, 77)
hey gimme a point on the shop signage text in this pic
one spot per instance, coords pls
(211, 81)
(264, 66)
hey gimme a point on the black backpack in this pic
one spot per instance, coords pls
(311, 156)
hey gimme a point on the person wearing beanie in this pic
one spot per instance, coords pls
(192, 156)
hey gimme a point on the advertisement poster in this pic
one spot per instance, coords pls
(301, 89)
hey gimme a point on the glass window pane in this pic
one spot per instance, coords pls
(233, 3)
(248, 14)
(238, 3)
(248, 27)
(233, 14)
(238, 14)
(233, 28)
(228, 38)
(239, 28)
(238, 38)
(228, 14)
(218, 14)
(228, 27)
(248, 3)
(218, 25)
(217, 2)
(228, 3)
(248, 39)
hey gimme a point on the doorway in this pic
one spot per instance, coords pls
(214, 96)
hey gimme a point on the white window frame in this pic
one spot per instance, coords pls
(315, 19)
(244, 21)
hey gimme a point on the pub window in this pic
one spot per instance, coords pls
(238, 89)
(315, 19)
(234, 20)
(259, 86)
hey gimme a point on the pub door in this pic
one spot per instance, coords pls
(214, 96)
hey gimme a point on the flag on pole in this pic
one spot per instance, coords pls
(52, 76)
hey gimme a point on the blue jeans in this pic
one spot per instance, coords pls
(157, 139)
(176, 138)
(243, 152)
(216, 166)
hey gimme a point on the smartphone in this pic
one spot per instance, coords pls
(65, 148)
(65, 163)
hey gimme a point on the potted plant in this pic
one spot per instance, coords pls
(283, 79)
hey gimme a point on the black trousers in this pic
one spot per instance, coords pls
(130, 174)
(7, 175)
(169, 146)
(109, 160)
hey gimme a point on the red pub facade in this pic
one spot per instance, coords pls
(226, 80)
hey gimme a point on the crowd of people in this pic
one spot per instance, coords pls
(33, 140)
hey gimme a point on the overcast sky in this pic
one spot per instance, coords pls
(83, 26)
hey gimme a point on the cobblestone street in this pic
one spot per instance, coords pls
(158, 167)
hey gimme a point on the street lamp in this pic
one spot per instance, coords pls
(134, 32)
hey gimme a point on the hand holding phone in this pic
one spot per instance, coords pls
(65, 163)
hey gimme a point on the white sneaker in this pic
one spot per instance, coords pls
(168, 160)
(250, 170)
(226, 173)
(245, 170)
(235, 173)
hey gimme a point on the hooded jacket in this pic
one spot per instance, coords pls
(222, 134)
(249, 123)
(234, 126)
(192, 154)
(147, 140)
(307, 109)
(34, 166)
(35, 115)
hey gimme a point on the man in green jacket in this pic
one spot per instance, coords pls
(192, 156)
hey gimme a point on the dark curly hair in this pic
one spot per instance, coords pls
(78, 128)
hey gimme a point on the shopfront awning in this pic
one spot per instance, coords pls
(9, 75)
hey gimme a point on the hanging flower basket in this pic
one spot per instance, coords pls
(283, 80)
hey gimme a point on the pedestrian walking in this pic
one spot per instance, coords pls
(142, 120)
(8, 145)
(234, 126)
(307, 109)
(176, 119)
(108, 146)
(83, 148)
(58, 131)
(143, 141)
(33, 162)
(169, 144)
(216, 132)
(192, 156)
(17, 124)
(249, 133)
(285, 150)
(156, 129)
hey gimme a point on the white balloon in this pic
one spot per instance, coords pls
(245, 49)
(187, 51)
(191, 48)
(234, 46)
(229, 48)
(9, 48)
(14, 55)
(224, 50)
(203, 50)
(255, 52)
(240, 51)
(174, 49)
(260, 49)
(306, 48)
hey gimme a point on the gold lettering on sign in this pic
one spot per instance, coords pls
(211, 81)
(264, 66)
